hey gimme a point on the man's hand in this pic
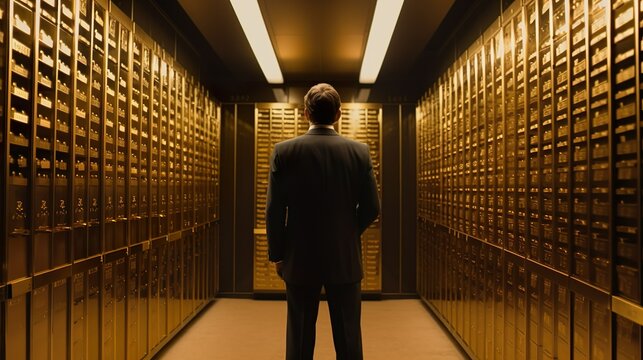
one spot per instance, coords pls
(278, 268)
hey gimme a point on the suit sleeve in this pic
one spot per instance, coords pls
(275, 211)
(368, 207)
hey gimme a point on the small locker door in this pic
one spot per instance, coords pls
(59, 315)
(40, 322)
(133, 302)
(581, 326)
(93, 312)
(78, 314)
(144, 305)
(153, 314)
(600, 336)
(120, 296)
(49, 314)
(16, 326)
(563, 333)
(187, 274)
(163, 289)
(174, 284)
(108, 311)
(85, 332)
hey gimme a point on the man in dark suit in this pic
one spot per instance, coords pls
(322, 195)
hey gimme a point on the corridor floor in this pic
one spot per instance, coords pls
(232, 329)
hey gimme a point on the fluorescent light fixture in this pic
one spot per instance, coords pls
(251, 20)
(280, 95)
(379, 37)
(362, 95)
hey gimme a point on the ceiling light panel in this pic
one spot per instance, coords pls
(251, 20)
(379, 37)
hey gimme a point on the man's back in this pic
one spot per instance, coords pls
(327, 185)
(321, 197)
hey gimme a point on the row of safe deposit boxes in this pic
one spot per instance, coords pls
(529, 184)
(121, 305)
(109, 153)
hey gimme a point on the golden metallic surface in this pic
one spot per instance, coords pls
(529, 184)
(628, 309)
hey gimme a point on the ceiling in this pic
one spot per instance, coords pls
(317, 40)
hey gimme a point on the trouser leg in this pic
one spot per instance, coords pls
(303, 305)
(345, 307)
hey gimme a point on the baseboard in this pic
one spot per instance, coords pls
(281, 295)
(400, 296)
(234, 295)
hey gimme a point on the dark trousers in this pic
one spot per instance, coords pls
(345, 308)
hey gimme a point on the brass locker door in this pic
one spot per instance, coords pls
(363, 122)
(277, 122)
(273, 123)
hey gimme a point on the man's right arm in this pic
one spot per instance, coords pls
(368, 207)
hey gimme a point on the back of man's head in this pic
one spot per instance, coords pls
(322, 103)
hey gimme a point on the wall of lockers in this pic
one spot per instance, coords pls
(246, 138)
(529, 185)
(276, 122)
(110, 156)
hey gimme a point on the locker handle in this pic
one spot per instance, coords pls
(62, 228)
(20, 232)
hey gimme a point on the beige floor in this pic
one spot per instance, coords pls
(249, 329)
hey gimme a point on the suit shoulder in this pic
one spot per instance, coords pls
(286, 143)
(356, 144)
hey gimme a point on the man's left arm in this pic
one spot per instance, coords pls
(276, 208)
(368, 208)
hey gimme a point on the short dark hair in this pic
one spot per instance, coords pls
(322, 103)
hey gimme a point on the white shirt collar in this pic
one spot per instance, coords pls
(321, 126)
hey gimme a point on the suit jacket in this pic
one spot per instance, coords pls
(321, 196)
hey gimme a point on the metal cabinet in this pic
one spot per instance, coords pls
(529, 145)
(105, 141)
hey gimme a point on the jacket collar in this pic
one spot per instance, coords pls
(322, 131)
